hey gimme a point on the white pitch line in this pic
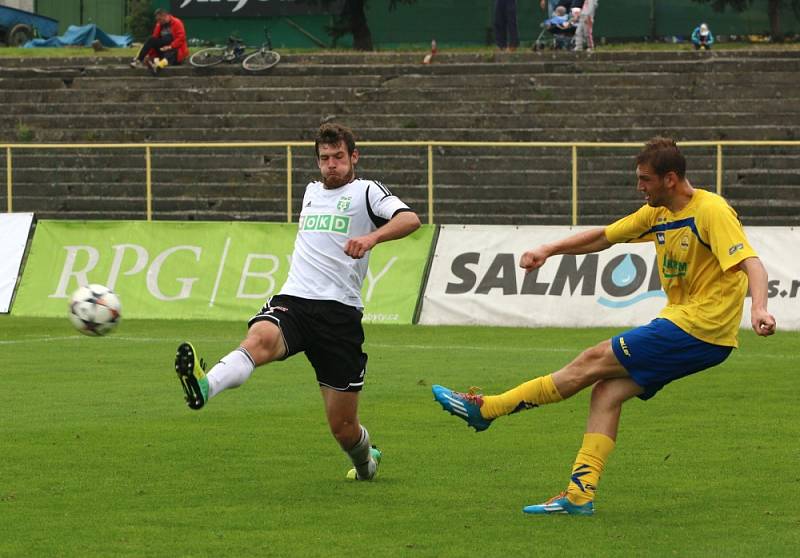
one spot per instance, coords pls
(78, 337)
(472, 348)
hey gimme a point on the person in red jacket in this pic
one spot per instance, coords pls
(166, 46)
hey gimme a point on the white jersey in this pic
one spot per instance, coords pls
(320, 269)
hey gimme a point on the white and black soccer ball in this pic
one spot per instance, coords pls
(94, 310)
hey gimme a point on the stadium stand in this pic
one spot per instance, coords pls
(611, 96)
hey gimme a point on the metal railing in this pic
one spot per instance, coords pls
(288, 145)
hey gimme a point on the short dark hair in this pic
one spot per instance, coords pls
(334, 134)
(664, 156)
(160, 11)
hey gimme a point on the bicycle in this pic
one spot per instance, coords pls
(235, 52)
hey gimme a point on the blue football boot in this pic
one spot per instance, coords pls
(466, 406)
(560, 505)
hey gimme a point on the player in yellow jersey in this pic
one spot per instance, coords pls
(705, 266)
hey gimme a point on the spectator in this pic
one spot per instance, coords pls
(562, 27)
(549, 5)
(559, 19)
(702, 38)
(569, 5)
(166, 46)
(505, 24)
(583, 36)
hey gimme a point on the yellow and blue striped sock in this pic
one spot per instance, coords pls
(588, 467)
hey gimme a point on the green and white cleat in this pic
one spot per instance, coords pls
(192, 375)
(375, 454)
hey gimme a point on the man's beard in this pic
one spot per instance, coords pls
(337, 181)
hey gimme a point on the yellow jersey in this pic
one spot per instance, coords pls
(698, 249)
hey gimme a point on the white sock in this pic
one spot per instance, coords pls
(231, 371)
(360, 456)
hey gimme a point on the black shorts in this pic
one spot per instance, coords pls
(328, 331)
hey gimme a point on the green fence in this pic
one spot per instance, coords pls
(469, 22)
(109, 15)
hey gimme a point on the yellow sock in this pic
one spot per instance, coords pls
(588, 467)
(525, 396)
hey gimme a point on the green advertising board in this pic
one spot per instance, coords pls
(190, 270)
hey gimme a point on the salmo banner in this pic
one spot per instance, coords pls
(14, 231)
(221, 271)
(475, 279)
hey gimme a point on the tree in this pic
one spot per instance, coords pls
(139, 20)
(773, 11)
(353, 20)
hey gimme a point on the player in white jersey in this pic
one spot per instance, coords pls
(319, 308)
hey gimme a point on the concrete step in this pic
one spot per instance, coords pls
(736, 193)
(415, 121)
(521, 97)
(378, 159)
(446, 57)
(445, 214)
(409, 81)
(631, 133)
(182, 93)
(486, 184)
(287, 67)
(93, 106)
(161, 176)
(762, 177)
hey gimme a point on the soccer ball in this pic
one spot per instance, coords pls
(94, 310)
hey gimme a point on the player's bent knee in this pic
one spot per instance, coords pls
(602, 392)
(346, 432)
(591, 364)
(599, 352)
(264, 342)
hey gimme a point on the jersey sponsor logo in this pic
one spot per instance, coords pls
(735, 248)
(344, 203)
(338, 224)
(685, 242)
(672, 268)
(661, 237)
(624, 346)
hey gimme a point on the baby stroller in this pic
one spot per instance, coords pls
(558, 31)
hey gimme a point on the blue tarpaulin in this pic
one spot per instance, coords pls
(83, 35)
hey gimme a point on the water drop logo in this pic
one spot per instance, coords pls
(624, 273)
(622, 277)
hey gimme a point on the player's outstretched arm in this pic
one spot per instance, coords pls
(402, 224)
(585, 242)
(762, 321)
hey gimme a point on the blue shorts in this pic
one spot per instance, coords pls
(660, 352)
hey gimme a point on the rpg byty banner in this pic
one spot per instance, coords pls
(222, 271)
(475, 279)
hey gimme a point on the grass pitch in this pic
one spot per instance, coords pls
(100, 456)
